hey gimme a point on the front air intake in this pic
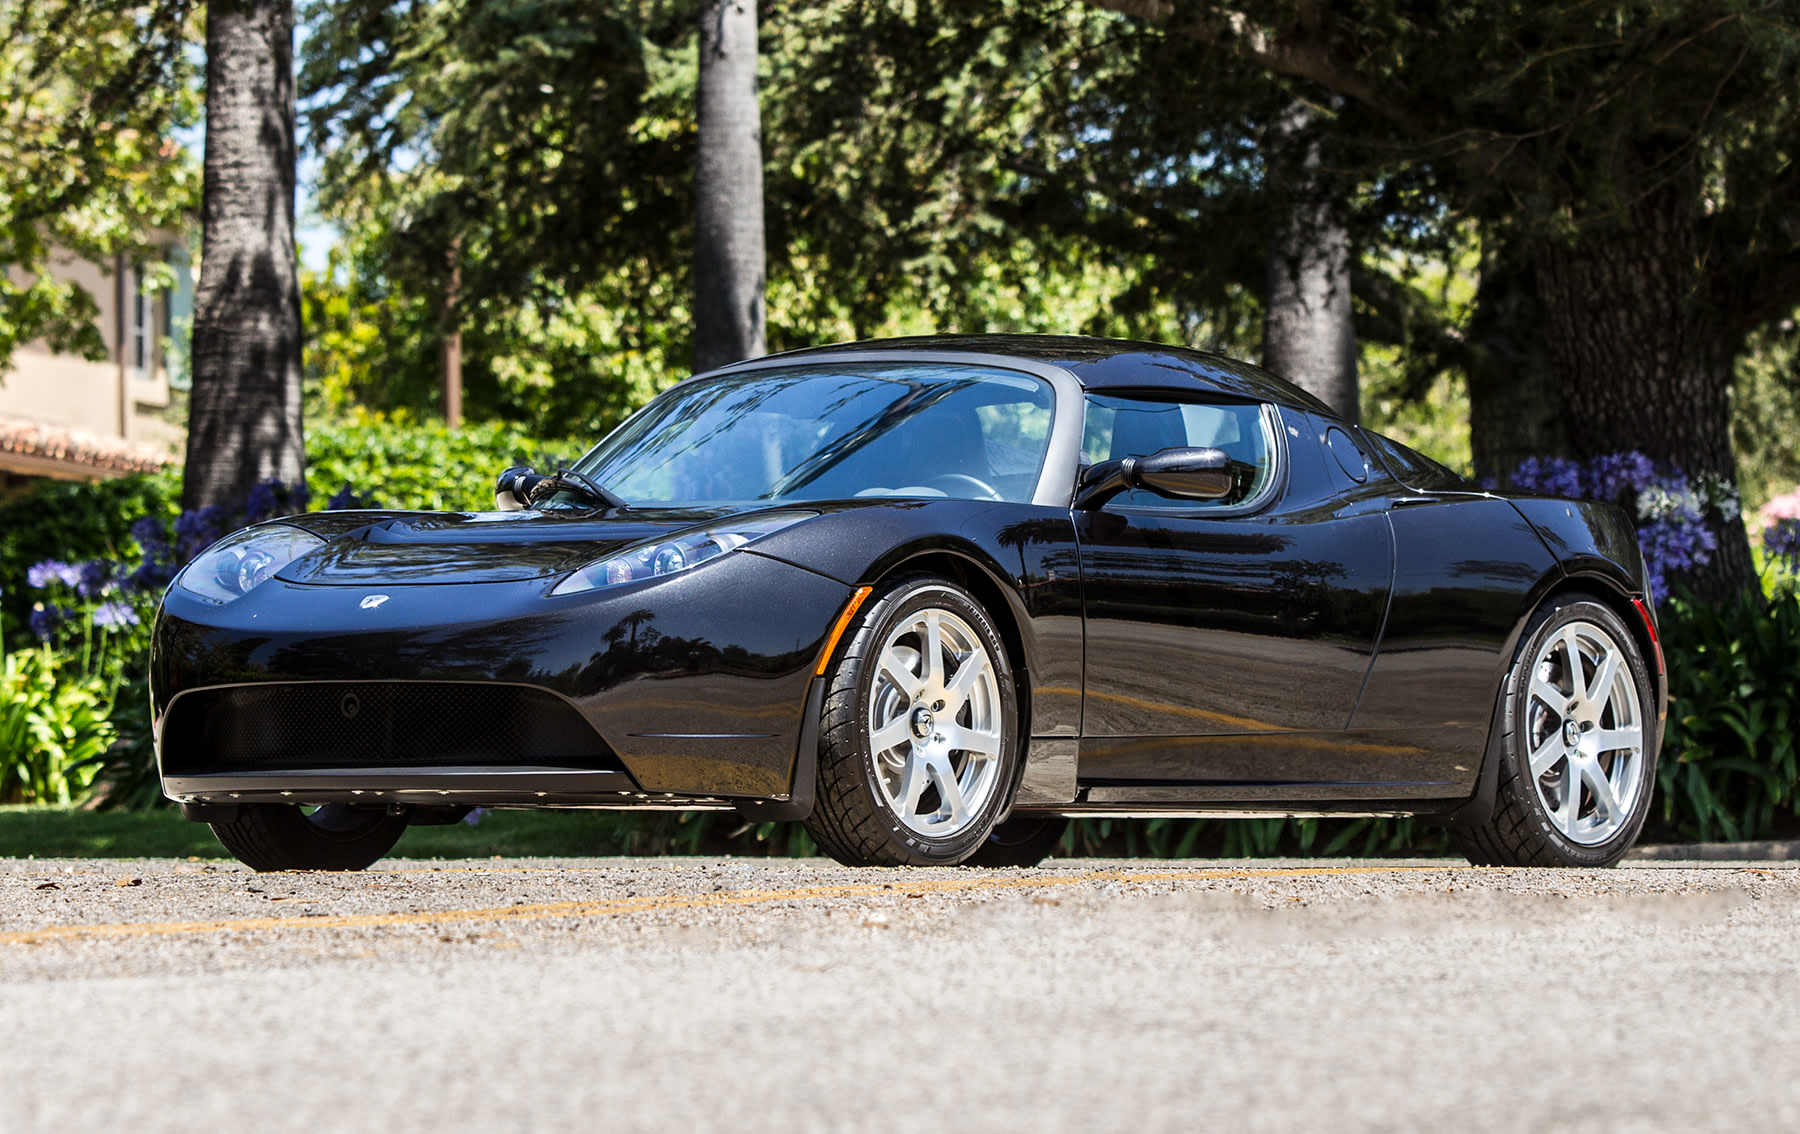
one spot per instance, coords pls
(376, 724)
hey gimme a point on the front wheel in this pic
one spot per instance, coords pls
(336, 836)
(1577, 747)
(918, 745)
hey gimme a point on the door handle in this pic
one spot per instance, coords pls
(1398, 501)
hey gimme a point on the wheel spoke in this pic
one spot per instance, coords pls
(1571, 800)
(1616, 739)
(1600, 692)
(933, 665)
(971, 740)
(967, 674)
(1550, 695)
(912, 786)
(1572, 651)
(1545, 755)
(891, 735)
(904, 679)
(1605, 801)
(949, 790)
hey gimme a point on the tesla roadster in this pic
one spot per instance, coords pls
(931, 597)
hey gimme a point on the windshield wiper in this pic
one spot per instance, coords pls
(572, 480)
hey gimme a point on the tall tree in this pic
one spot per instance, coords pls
(730, 274)
(1642, 152)
(244, 422)
(1309, 336)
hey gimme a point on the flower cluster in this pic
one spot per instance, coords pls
(1781, 542)
(1671, 507)
(106, 595)
(73, 591)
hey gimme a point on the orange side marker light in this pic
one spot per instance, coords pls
(843, 624)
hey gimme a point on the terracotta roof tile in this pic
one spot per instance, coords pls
(79, 450)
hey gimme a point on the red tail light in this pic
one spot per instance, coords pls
(1650, 627)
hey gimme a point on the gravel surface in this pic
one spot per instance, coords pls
(773, 995)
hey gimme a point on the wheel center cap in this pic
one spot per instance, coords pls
(1571, 733)
(921, 722)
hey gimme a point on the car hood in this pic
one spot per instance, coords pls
(368, 548)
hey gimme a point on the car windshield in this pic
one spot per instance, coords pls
(832, 432)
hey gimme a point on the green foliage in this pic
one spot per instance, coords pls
(1765, 419)
(1729, 767)
(70, 521)
(89, 90)
(51, 721)
(396, 462)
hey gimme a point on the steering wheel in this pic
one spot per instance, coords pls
(988, 491)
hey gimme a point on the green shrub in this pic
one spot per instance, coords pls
(51, 723)
(71, 521)
(395, 462)
(1728, 766)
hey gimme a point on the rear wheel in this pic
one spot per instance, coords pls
(1023, 840)
(1578, 744)
(336, 836)
(918, 743)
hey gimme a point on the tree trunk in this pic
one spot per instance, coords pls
(452, 360)
(244, 422)
(728, 191)
(1308, 335)
(1515, 402)
(1644, 362)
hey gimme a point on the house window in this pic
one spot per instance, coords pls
(140, 327)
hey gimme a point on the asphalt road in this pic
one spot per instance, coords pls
(785, 996)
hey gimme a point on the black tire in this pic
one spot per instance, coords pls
(852, 820)
(278, 836)
(1023, 840)
(1522, 830)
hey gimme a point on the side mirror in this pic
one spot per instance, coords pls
(512, 492)
(1193, 474)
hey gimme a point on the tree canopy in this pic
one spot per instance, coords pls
(90, 92)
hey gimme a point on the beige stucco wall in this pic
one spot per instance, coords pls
(69, 391)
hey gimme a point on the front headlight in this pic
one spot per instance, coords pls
(230, 568)
(665, 557)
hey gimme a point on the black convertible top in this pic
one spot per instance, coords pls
(1101, 364)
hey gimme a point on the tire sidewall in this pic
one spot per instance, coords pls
(907, 598)
(1577, 608)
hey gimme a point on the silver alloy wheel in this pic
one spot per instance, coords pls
(935, 723)
(1585, 733)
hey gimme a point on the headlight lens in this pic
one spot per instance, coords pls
(230, 568)
(667, 556)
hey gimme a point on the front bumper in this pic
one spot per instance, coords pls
(692, 689)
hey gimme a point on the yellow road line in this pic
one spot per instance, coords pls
(553, 910)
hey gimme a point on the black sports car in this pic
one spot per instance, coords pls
(932, 597)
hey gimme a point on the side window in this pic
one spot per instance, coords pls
(1137, 427)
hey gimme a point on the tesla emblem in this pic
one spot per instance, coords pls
(370, 602)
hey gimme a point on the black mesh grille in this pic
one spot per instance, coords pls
(372, 724)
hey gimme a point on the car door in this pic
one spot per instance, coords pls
(1226, 641)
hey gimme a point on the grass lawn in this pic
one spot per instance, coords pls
(67, 832)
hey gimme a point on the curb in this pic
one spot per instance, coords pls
(1771, 851)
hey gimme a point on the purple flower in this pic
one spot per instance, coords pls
(96, 578)
(1549, 476)
(45, 620)
(475, 816)
(198, 530)
(1781, 541)
(51, 571)
(1612, 476)
(150, 532)
(114, 614)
